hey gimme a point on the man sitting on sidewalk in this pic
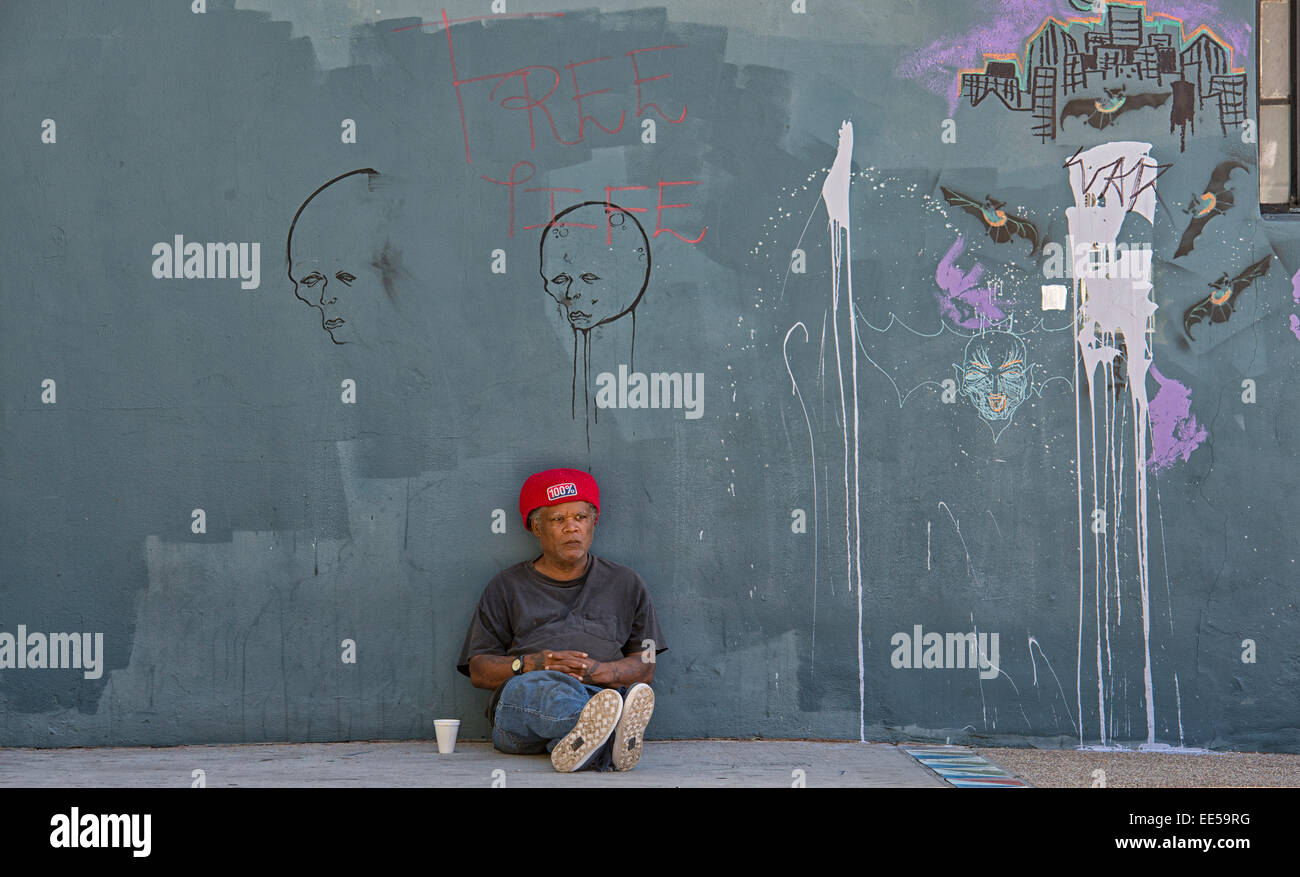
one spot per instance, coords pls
(565, 641)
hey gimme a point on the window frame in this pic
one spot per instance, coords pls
(1290, 208)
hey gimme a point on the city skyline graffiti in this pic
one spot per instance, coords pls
(1107, 67)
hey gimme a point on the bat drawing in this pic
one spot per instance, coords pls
(1217, 198)
(1102, 113)
(1002, 226)
(1217, 306)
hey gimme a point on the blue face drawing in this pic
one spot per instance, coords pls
(995, 376)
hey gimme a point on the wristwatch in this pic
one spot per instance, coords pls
(517, 666)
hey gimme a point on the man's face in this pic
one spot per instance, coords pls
(595, 274)
(336, 251)
(329, 285)
(565, 532)
(995, 376)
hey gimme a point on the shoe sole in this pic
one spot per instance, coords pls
(629, 735)
(597, 722)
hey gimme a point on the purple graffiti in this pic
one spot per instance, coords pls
(935, 66)
(1235, 31)
(1295, 296)
(1174, 430)
(960, 302)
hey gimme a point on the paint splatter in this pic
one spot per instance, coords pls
(1113, 315)
(960, 301)
(1174, 430)
(835, 194)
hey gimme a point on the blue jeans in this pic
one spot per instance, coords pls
(537, 709)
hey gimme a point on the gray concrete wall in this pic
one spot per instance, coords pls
(277, 526)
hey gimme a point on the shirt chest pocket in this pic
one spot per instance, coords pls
(609, 628)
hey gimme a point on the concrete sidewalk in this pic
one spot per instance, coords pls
(667, 764)
(474, 764)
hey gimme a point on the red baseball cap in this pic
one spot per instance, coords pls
(555, 486)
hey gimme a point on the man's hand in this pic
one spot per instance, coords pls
(615, 674)
(566, 661)
(489, 671)
(607, 674)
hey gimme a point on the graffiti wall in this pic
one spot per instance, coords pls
(935, 361)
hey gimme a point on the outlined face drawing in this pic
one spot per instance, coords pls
(996, 375)
(333, 254)
(595, 263)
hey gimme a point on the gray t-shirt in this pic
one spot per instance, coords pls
(606, 613)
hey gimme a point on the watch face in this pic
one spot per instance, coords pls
(517, 665)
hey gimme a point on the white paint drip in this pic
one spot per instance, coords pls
(1110, 181)
(1161, 516)
(1178, 696)
(786, 279)
(1033, 642)
(979, 677)
(1101, 697)
(969, 569)
(812, 452)
(821, 368)
(1078, 481)
(835, 194)
(826, 503)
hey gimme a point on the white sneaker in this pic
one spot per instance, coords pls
(628, 736)
(598, 720)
